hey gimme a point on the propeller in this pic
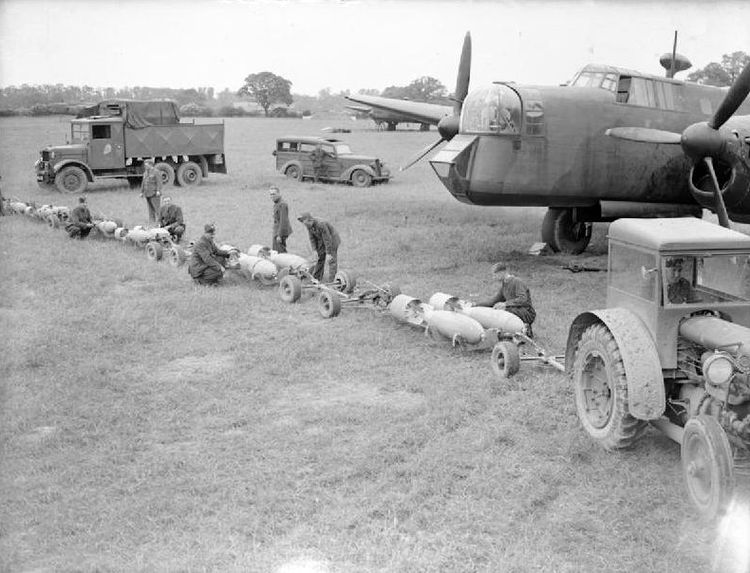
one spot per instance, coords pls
(702, 141)
(448, 126)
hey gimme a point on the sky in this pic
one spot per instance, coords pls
(351, 44)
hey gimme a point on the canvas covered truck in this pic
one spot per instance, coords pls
(112, 139)
(671, 348)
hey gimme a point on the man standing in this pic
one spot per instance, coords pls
(318, 157)
(325, 242)
(151, 188)
(79, 223)
(281, 226)
(206, 264)
(170, 218)
(513, 296)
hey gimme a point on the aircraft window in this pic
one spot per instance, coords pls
(496, 109)
(534, 117)
(623, 89)
(664, 95)
(642, 92)
(610, 82)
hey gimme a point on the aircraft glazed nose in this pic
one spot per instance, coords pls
(699, 140)
(448, 127)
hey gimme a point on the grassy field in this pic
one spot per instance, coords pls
(148, 424)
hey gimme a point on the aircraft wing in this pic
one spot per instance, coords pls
(420, 111)
(360, 108)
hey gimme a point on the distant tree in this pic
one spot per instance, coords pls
(266, 89)
(368, 92)
(426, 88)
(723, 74)
(397, 92)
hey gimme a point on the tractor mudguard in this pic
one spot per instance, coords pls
(66, 162)
(646, 394)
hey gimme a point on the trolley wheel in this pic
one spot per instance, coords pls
(177, 256)
(505, 361)
(345, 281)
(329, 304)
(290, 289)
(154, 251)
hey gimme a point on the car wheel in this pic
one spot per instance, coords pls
(188, 174)
(294, 172)
(601, 390)
(505, 360)
(71, 179)
(167, 173)
(707, 465)
(361, 178)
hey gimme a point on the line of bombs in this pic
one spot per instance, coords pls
(443, 317)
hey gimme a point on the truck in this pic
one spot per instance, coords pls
(671, 349)
(112, 139)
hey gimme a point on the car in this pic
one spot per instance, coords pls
(295, 159)
(672, 347)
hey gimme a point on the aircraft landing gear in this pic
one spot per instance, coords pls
(563, 234)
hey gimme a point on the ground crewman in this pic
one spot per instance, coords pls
(325, 242)
(513, 296)
(151, 189)
(282, 228)
(206, 264)
(79, 223)
(170, 218)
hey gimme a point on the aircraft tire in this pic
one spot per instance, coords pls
(562, 234)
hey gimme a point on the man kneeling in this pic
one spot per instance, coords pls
(80, 224)
(170, 218)
(512, 295)
(207, 261)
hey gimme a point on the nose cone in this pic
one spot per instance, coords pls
(699, 140)
(448, 127)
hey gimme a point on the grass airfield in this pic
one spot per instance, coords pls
(149, 424)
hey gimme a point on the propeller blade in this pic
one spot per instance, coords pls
(422, 153)
(734, 98)
(464, 73)
(721, 209)
(644, 135)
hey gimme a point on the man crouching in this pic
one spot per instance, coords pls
(206, 264)
(80, 224)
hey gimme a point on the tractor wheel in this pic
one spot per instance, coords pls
(177, 256)
(189, 174)
(361, 178)
(601, 390)
(345, 281)
(294, 172)
(505, 360)
(71, 179)
(562, 234)
(290, 289)
(707, 465)
(154, 251)
(329, 304)
(166, 171)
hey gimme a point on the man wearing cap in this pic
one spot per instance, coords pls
(325, 242)
(282, 228)
(206, 264)
(151, 188)
(513, 296)
(170, 218)
(679, 290)
(79, 223)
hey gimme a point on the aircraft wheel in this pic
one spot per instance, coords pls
(154, 251)
(290, 289)
(166, 171)
(505, 360)
(562, 234)
(345, 281)
(707, 465)
(329, 304)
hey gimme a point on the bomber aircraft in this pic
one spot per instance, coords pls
(388, 120)
(601, 147)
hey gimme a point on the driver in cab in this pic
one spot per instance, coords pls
(679, 290)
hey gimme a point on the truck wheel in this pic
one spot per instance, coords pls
(601, 390)
(154, 251)
(189, 174)
(71, 179)
(505, 360)
(329, 304)
(294, 172)
(290, 289)
(707, 465)
(166, 171)
(562, 234)
(361, 178)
